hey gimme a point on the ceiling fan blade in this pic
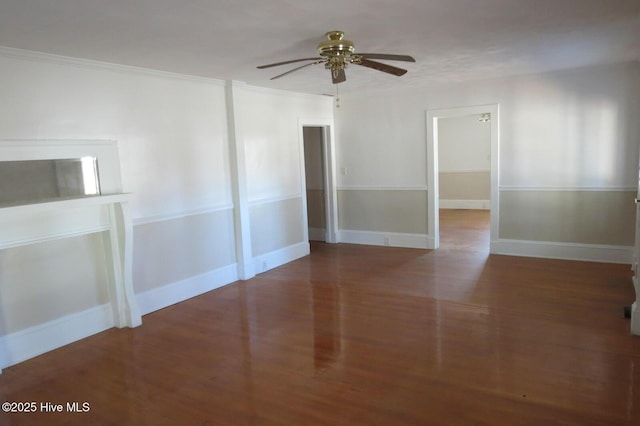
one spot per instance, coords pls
(389, 57)
(296, 69)
(338, 76)
(287, 62)
(390, 69)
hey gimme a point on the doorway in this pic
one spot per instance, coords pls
(464, 181)
(314, 161)
(320, 207)
(468, 164)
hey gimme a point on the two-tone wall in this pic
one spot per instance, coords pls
(215, 169)
(382, 181)
(274, 166)
(568, 160)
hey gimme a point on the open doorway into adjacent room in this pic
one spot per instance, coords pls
(463, 179)
(316, 192)
(320, 195)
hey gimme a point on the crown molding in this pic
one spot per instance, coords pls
(34, 56)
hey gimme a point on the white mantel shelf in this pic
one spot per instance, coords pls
(68, 202)
(25, 224)
(36, 223)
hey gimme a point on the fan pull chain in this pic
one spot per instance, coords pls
(337, 97)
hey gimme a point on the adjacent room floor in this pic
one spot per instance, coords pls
(363, 335)
(464, 230)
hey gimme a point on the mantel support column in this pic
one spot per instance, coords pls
(126, 312)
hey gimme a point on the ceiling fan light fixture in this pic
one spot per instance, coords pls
(336, 54)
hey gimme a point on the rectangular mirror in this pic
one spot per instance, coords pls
(32, 181)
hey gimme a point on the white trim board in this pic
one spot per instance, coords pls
(465, 204)
(268, 200)
(33, 341)
(162, 217)
(566, 251)
(179, 291)
(381, 188)
(273, 259)
(391, 239)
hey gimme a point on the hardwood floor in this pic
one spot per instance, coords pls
(363, 335)
(464, 230)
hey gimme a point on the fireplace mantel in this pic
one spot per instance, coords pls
(44, 221)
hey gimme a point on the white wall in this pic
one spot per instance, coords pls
(271, 134)
(572, 131)
(171, 131)
(269, 123)
(464, 144)
(174, 144)
(380, 141)
(464, 162)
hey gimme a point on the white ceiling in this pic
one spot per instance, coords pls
(452, 40)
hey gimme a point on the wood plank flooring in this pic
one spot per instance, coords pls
(362, 335)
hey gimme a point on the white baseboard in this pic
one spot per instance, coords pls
(177, 292)
(276, 258)
(317, 234)
(33, 341)
(465, 204)
(170, 294)
(392, 239)
(25, 344)
(568, 251)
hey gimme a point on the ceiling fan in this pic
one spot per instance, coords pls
(336, 54)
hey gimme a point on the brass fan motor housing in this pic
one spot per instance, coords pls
(335, 45)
